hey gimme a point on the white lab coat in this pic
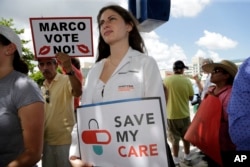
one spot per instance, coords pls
(136, 71)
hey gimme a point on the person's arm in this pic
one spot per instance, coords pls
(32, 122)
(191, 91)
(65, 62)
(198, 83)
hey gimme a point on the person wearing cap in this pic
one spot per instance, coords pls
(239, 108)
(21, 106)
(59, 91)
(222, 75)
(180, 92)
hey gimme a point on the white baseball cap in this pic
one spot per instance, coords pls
(12, 37)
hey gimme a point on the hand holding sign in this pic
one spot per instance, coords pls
(76, 162)
(64, 60)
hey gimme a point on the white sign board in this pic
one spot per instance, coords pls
(123, 133)
(71, 35)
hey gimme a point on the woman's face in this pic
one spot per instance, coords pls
(7, 50)
(1, 48)
(2, 52)
(113, 28)
(218, 75)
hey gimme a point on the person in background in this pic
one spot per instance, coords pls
(203, 87)
(76, 62)
(180, 92)
(121, 61)
(21, 106)
(239, 107)
(59, 91)
(77, 69)
(196, 99)
(222, 75)
(203, 84)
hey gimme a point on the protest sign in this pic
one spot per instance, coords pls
(71, 35)
(123, 133)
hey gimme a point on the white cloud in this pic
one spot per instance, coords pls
(200, 53)
(216, 41)
(208, 54)
(190, 8)
(214, 56)
(164, 54)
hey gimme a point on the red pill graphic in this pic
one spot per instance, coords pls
(98, 136)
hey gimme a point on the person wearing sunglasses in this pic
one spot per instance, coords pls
(222, 75)
(59, 91)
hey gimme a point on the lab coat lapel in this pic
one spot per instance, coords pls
(126, 59)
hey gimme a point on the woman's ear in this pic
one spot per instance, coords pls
(130, 26)
(10, 49)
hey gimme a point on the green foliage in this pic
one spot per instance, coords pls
(28, 56)
(38, 77)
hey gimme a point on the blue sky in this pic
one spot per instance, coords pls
(196, 28)
(225, 19)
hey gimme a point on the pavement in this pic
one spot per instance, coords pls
(196, 157)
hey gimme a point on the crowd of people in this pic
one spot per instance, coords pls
(40, 124)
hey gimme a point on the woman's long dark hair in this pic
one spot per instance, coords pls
(18, 63)
(135, 39)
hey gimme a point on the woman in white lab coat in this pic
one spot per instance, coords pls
(122, 69)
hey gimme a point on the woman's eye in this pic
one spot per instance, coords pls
(112, 18)
(101, 23)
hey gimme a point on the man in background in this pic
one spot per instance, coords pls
(59, 91)
(179, 93)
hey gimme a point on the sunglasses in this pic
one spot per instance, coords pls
(217, 70)
(47, 99)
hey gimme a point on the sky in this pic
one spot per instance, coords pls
(217, 29)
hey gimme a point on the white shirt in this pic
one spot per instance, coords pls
(136, 76)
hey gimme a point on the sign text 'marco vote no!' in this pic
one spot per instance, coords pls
(72, 36)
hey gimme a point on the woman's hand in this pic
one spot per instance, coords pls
(77, 162)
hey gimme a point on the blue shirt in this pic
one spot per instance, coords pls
(239, 108)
